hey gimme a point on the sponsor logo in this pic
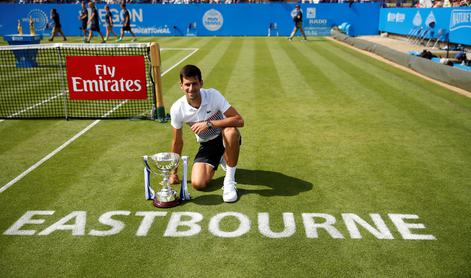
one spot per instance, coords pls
(317, 31)
(136, 16)
(417, 21)
(318, 21)
(460, 19)
(154, 30)
(106, 77)
(213, 20)
(39, 17)
(311, 13)
(396, 17)
(430, 18)
(191, 224)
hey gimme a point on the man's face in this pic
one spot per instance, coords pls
(191, 86)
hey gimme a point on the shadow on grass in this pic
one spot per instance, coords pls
(277, 184)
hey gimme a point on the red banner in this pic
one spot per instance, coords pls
(106, 77)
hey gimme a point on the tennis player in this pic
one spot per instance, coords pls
(215, 123)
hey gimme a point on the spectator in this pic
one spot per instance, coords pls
(94, 23)
(298, 23)
(84, 20)
(109, 23)
(126, 23)
(57, 25)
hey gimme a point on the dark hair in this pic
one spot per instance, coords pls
(190, 71)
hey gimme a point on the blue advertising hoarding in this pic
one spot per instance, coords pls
(455, 21)
(205, 19)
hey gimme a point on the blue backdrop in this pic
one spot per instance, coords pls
(207, 19)
(456, 21)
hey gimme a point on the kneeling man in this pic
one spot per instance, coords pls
(214, 122)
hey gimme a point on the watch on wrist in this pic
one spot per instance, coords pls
(209, 124)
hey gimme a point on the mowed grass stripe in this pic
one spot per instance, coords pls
(241, 94)
(339, 88)
(370, 106)
(423, 159)
(316, 75)
(418, 111)
(268, 102)
(327, 144)
(397, 108)
(225, 68)
(25, 142)
(208, 46)
(330, 133)
(433, 93)
(295, 84)
(394, 73)
(377, 138)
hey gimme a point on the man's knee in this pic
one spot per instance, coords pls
(231, 134)
(199, 184)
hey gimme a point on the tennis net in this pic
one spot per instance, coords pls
(35, 81)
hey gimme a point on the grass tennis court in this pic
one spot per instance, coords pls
(328, 131)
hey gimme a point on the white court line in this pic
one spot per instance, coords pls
(179, 62)
(34, 105)
(83, 131)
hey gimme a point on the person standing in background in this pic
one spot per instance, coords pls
(298, 23)
(126, 23)
(84, 20)
(109, 23)
(94, 23)
(57, 25)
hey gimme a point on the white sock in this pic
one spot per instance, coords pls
(230, 174)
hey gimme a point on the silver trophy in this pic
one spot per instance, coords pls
(163, 164)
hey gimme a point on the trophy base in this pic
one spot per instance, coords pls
(170, 204)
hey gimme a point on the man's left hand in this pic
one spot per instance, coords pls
(199, 127)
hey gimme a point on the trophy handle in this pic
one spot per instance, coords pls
(149, 192)
(184, 194)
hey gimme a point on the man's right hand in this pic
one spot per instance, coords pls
(174, 179)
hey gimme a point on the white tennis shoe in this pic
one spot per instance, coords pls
(229, 194)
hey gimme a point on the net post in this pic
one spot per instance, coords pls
(159, 109)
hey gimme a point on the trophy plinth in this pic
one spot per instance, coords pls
(163, 164)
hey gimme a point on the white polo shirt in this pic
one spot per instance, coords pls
(213, 105)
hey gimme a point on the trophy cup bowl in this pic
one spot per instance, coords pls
(163, 164)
